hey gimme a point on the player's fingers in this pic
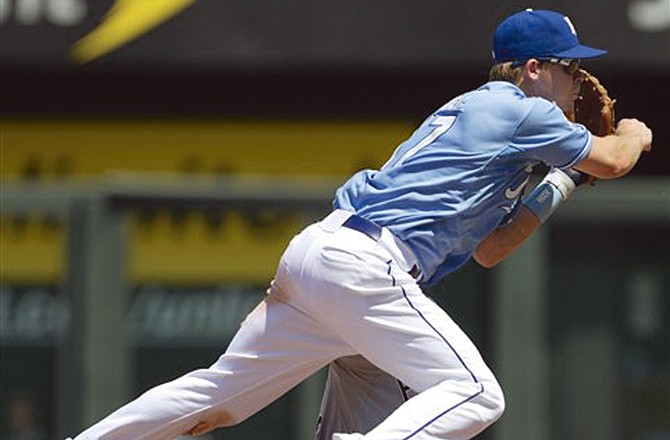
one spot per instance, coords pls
(649, 136)
(639, 128)
(628, 124)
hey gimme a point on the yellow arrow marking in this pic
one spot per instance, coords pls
(125, 21)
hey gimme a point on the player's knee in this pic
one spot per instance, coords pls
(493, 400)
(213, 419)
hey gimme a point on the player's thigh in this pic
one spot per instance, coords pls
(276, 347)
(352, 285)
(408, 335)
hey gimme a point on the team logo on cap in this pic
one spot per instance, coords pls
(571, 26)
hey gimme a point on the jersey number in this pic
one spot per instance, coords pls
(440, 126)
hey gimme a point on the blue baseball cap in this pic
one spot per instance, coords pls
(539, 34)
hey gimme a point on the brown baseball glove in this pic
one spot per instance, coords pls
(594, 108)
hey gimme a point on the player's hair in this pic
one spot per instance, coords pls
(505, 72)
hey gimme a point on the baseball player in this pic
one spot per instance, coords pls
(348, 289)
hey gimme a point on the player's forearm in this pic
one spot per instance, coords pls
(500, 243)
(535, 209)
(615, 155)
(625, 153)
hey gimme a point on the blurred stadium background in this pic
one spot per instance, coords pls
(156, 157)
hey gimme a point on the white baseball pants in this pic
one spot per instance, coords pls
(337, 293)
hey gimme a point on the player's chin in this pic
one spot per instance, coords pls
(567, 107)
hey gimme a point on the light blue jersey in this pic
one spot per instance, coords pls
(462, 171)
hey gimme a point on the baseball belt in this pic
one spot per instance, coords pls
(374, 231)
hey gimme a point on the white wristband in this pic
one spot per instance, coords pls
(561, 181)
(554, 189)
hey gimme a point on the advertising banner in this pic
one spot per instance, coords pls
(189, 34)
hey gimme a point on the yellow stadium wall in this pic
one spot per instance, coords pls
(62, 149)
(183, 248)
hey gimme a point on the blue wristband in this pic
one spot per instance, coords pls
(555, 188)
(543, 201)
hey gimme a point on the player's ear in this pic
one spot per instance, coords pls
(530, 76)
(532, 68)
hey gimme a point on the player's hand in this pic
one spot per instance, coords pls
(577, 177)
(634, 128)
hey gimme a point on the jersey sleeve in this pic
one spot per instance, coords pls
(546, 135)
